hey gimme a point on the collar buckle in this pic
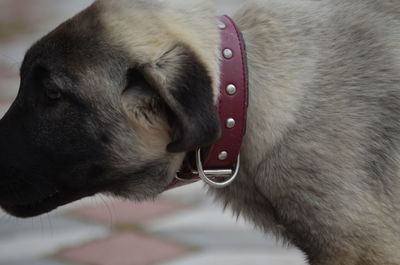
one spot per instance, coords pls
(216, 178)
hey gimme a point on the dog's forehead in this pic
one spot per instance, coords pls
(77, 54)
(75, 43)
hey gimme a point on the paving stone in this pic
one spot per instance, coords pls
(34, 262)
(125, 249)
(208, 216)
(33, 238)
(126, 213)
(242, 258)
(226, 239)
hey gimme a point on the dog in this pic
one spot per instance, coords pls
(114, 99)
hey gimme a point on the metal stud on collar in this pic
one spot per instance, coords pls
(223, 155)
(228, 54)
(230, 123)
(231, 89)
(209, 176)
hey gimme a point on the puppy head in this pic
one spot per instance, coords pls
(110, 102)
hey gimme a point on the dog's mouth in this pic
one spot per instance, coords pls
(48, 204)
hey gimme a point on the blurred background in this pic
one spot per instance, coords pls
(182, 227)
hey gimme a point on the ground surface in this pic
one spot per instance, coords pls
(183, 227)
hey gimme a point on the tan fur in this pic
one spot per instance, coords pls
(153, 131)
(166, 25)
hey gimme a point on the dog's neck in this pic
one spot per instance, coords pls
(221, 160)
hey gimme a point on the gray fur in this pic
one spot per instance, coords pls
(326, 176)
(321, 157)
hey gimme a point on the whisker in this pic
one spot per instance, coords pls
(50, 224)
(109, 210)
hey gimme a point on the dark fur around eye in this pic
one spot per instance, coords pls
(41, 76)
(53, 93)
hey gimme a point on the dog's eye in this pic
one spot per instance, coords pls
(53, 93)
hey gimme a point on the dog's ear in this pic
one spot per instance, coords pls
(185, 86)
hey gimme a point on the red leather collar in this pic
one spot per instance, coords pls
(221, 162)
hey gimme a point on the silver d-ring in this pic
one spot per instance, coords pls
(211, 182)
